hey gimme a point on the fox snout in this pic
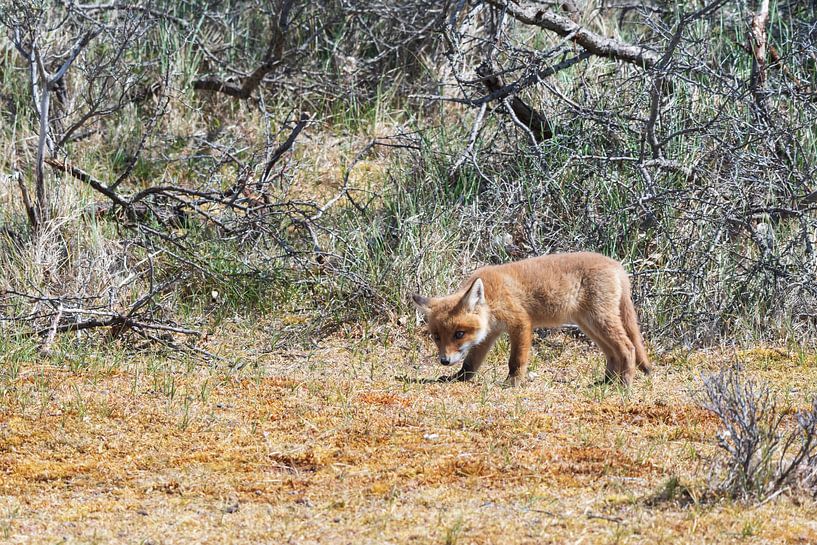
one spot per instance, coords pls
(456, 351)
(446, 359)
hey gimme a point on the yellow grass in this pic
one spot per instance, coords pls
(330, 446)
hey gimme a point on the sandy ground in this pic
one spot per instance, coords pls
(346, 444)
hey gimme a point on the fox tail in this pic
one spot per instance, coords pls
(630, 322)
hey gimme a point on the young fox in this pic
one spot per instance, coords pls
(588, 289)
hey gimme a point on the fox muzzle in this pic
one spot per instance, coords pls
(450, 359)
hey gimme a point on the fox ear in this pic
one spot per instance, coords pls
(421, 302)
(475, 295)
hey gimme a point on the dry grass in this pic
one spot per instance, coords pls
(329, 446)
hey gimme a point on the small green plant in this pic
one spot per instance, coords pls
(7, 521)
(675, 490)
(453, 532)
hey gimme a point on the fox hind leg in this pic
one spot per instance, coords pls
(612, 338)
(604, 346)
(624, 350)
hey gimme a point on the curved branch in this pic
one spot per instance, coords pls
(272, 57)
(86, 177)
(532, 120)
(594, 43)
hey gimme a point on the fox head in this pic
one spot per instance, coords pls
(456, 322)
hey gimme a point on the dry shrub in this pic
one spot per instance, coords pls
(766, 453)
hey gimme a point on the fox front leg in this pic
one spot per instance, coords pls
(521, 340)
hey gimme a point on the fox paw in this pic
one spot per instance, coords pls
(459, 376)
(513, 381)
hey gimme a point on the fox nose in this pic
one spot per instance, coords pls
(445, 360)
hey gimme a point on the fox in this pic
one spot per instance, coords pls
(584, 288)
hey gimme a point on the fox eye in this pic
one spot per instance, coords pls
(459, 334)
(436, 336)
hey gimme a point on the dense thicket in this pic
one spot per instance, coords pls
(163, 160)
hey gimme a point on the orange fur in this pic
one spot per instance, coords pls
(588, 289)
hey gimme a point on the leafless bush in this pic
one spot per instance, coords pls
(766, 453)
(674, 139)
(115, 94)
(101, 78)
(324, 51)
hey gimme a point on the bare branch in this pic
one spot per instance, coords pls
(758, 43)
(89, 179)
(594, 43)
(72, 55)
(285, 146)
(529, 118)
(272, 57)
